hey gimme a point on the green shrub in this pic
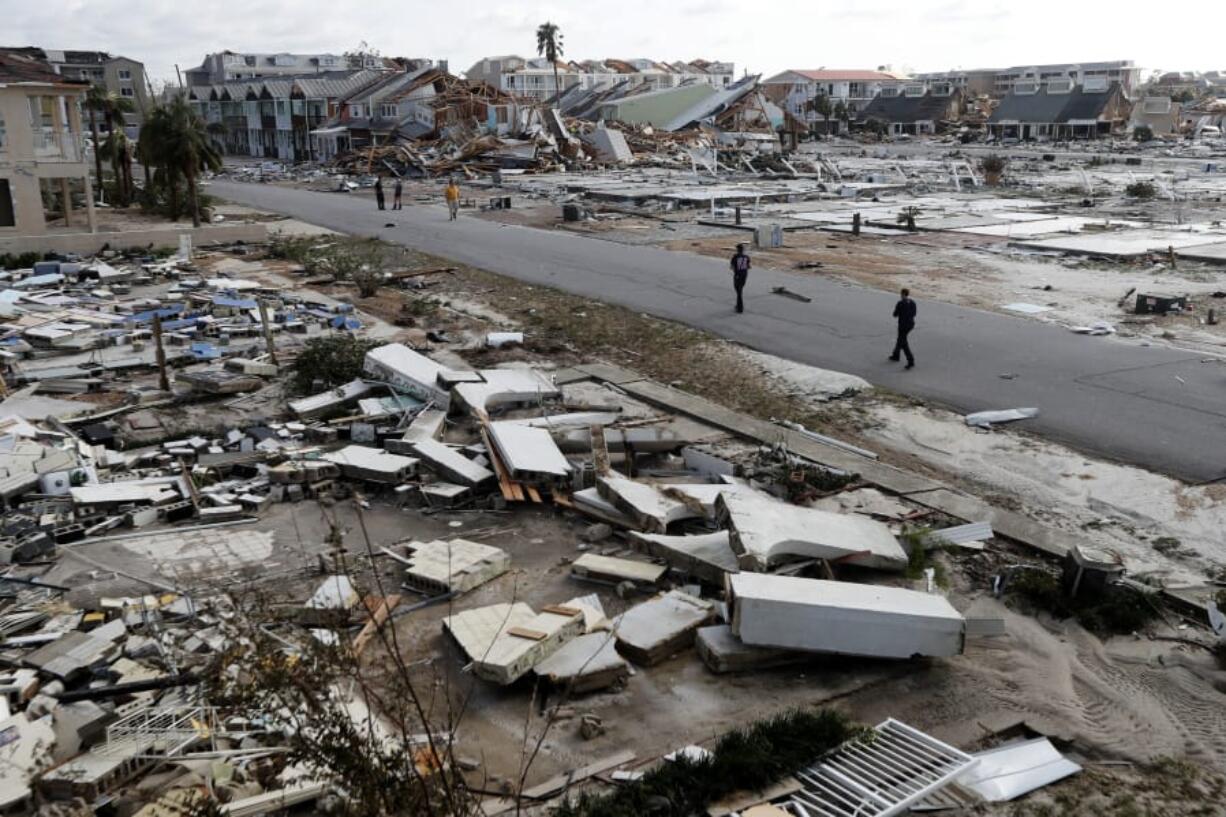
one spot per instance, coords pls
(993, 163)
(1140, 190)
(748, 759)
(332, 360)
(24, 260)
(1119, 609)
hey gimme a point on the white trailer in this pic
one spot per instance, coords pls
(842, 617)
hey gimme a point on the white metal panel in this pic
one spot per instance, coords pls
(1008, 772)
(881, 776)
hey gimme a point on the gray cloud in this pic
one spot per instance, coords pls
(764, 37)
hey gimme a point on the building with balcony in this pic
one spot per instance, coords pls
(1059, 109)
(274, 118)
(535, 79)
(999, 82)
(913, 110)
(797, 92)
(123, 77)
(43, 167)
(229, 66)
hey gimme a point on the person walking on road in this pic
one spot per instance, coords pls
(453, 200)
(396, 191)
(740, 274)
(379, 192)
(904, 311)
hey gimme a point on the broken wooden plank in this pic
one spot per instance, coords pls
(378, 618)
(600, 450)
(556, 785)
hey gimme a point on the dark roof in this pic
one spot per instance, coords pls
(1046, 108)
(18, 67)
(86, 57)
(927, 108)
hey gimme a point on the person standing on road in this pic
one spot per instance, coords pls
(396, 194)
(453, 200)
(379, 192)
(904, 311)
(740, 274)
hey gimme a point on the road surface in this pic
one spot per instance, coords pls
(1152, 406)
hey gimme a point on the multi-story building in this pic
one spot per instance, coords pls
(1003, 80)
(43, 167)
(797, 91)
(1061, 109)
(226, 66)
(1187, 85)
(121, 76)
(273, 118)
(535, 79)
(973, 83)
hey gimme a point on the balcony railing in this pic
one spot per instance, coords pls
(61, 146)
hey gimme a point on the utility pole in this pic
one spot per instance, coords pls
(272, 350)
(163, 382)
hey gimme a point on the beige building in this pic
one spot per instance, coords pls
(43, 167)
(118, 75)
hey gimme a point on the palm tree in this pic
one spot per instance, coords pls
(180, 146)
(842, 113)
(821, 105)
(549, 46)
(95, 101)
(218, 131)
(118, 149)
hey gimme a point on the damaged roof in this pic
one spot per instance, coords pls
(21, 69)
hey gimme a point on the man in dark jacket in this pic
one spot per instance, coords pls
(904, 311)
(379, 192)
(740, 274)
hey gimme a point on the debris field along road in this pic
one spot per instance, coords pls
(1156, 407)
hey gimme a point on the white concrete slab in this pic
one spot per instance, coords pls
(766, 532)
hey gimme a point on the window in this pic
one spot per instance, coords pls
(7, 217)
(388, 110)
(249, 60)
(127, 91)
(281, 107)
(125, 74)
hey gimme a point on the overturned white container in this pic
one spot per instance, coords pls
(842, 617)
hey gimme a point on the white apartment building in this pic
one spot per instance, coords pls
(1000, 81)
(534, 78)
(227, 66)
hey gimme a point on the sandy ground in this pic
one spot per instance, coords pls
(1161, 526)
(1130, 698)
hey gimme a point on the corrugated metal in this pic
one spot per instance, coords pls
(961, 534)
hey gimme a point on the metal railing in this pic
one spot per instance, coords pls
(52, 145)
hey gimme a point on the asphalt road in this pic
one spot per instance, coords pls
(1156, 407)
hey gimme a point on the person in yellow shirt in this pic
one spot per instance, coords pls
(453, 199)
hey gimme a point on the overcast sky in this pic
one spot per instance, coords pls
(762, 36)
